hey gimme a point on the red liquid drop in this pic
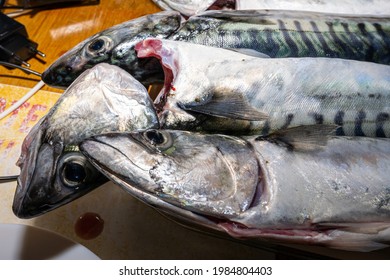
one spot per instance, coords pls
(89, 226)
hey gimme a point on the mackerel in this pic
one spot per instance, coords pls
(214, 89)
(337, 196)
(273, 33)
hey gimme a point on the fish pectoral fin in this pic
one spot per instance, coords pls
(302, 138)
(249, 52)
(232, 106)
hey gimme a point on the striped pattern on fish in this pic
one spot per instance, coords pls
(274, 33)
(303, 96)
(291, 34)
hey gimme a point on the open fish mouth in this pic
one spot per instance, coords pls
(154, 48)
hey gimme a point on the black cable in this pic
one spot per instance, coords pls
(6, 179)
(26, 70)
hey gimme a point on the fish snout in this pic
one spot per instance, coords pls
(56, 79)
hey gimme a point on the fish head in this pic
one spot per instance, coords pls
(49, 177)
(102, 99)
(115, 45)
(211, 175)
(203, 85)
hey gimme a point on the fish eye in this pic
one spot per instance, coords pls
(160, 139)
(74, 170)
(96, 45)
(99, 45)
(155, 137)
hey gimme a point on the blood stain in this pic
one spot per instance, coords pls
(89, 226)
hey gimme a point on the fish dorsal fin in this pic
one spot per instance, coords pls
(302, 138)
(264, 17)
(227, 105)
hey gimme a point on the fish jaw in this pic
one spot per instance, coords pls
(102, 152)
(115, 46)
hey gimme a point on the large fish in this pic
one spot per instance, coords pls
(337, 196)
(214, 89)
(53, 171)
(274, 33)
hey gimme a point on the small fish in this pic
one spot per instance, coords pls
(214, 89)
(337, 196)
(273, 33)
(358, 7)
(53, 171)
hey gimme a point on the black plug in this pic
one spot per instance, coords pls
(15, 47)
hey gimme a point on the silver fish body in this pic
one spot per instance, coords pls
(53, 171)
(215, 89)
(274, 33)
(337, 196)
